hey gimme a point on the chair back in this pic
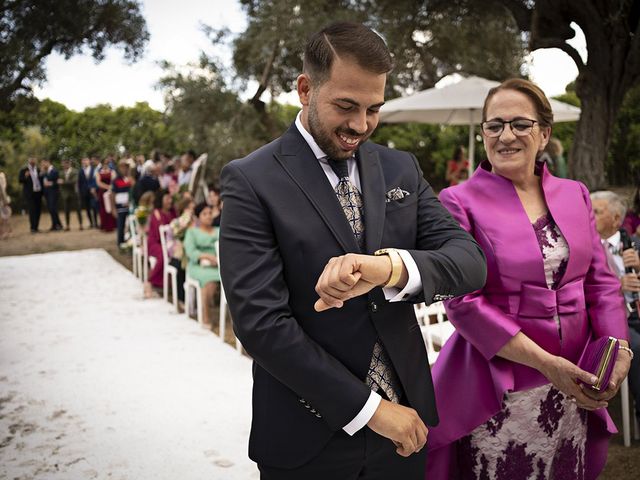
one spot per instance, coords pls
(164, 233)
(134, 228)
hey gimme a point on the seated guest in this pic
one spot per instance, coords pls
(51, 191)
(215, 202)
(68, 182)
(506, 382)
(622, 252)
(162, 214)
(175, 241)
(121, 189)
(200, 248)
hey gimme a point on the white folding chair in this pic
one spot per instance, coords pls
(169, 271)
(443, 329)
(224, 306)
(136, 248)
(425, 328)
(190, 286)
(628, 411)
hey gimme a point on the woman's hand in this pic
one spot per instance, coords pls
(620, 370)
(564, 375)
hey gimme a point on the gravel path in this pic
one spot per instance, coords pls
(97, 383)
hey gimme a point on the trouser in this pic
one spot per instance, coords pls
(70, 202)
(85, 200)
(52, 206)
(364, 456)
(634, 371)
(182, 274)
(94, 206)
(121, 224)
(34, 205)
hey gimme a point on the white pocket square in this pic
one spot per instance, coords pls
(396, 194)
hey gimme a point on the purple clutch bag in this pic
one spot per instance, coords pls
(599, 358)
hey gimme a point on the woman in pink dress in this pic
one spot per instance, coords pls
(104, 176)
(162, 214)
(506, 382)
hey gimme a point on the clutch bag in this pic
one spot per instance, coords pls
(599, 358)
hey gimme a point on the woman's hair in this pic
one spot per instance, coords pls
(147, 199)
(157, 201)
(200, 207)
(458, 153)
(554, 148)
(182, 205)
(531, 90)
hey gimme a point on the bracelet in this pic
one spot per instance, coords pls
(396, 266)
(626, 349)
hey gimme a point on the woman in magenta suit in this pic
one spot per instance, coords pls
(506, 384)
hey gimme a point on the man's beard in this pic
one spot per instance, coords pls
(324, 138)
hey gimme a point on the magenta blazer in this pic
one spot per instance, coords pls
(469, 379)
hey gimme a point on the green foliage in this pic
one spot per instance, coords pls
(33, 30)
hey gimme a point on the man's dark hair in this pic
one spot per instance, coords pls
(190, 153)
(345, 40)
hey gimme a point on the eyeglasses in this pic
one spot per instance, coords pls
(520, 127)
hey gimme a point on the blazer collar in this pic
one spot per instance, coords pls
(300, 163)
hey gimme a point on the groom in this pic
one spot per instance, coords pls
(342, 388)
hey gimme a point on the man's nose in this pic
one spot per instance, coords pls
(358, 123)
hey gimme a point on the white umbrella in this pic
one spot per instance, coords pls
(457, 104)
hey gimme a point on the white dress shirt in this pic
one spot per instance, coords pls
(614, 242)
(35, 179)
(414, 283)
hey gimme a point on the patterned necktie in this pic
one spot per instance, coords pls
(381, 375)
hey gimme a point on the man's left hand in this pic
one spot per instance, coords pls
(350, 276)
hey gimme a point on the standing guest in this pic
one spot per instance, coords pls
(93, 188)
(622, 253)
(51, 191)
(186, 168)
(341, 387)
(69, 192)
(85, 180)
(139, 163)
(518, 339)
(29, 177)
(104, 178)
(5, 208)
(200, 248)
(215, 202)
(553, 156)
(162, 214)
(148, 182)
(169, 179)
(632, 219)
(121, 189)
(457, 167)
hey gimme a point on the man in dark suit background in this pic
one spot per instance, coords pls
(342, 388)
(29, 177)
(86, 178)
(51, 191)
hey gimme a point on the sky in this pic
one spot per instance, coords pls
(176, 36)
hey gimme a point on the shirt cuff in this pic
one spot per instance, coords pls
(414, 284)
(365, 414)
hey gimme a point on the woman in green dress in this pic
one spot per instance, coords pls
(200, 248)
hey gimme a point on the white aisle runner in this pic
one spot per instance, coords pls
(96, 382)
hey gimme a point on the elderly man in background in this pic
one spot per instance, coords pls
(186, 168)
(624, 261)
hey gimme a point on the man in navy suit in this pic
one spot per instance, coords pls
(85, 181)
(51, 191)
(327, 240)
(29, 177)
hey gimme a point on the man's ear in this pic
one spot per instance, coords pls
(304, 88)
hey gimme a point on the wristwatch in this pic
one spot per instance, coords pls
(396, 265)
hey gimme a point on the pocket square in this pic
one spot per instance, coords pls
(396, 194)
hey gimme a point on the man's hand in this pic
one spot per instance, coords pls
(350, 276)
(402, 425)
(631, 258)
(630, 282)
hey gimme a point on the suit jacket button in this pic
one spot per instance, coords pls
(373, 307)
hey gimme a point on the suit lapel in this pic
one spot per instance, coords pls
(303, 167)
(372, 184)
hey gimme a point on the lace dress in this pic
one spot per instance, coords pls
(539, 434)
